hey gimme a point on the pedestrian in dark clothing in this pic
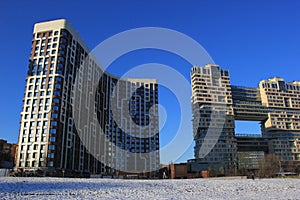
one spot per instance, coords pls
(252, 176)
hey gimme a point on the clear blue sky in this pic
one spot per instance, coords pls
(254, 39)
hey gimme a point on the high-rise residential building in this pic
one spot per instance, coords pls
(216, 104)
(282, 127)
(56, 134)
(213, 117)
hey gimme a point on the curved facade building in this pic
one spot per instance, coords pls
(78, 120)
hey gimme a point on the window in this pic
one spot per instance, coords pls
(53, 123)
(53, 131)
(61, 59)
(56, 33)
(61, 52)
(50, 164)
(51, 155)
(52, 139)
(51, 147)
(54, 115)
(55, 100)
(56, 93)
(57, 86)
(58, 79)
(64, 33)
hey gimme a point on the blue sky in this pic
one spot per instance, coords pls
(255, 40)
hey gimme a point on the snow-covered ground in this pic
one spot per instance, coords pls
(59, 188)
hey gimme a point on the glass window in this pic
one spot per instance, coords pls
(53, 123)
(57, 93)
(51, 155)
(52, 139)
(53, 131)
(50, 164)
(57, 86)
(61, 58)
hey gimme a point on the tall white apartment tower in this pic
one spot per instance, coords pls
(49, 141)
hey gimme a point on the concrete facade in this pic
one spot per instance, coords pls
(50, 139)
(275, 104)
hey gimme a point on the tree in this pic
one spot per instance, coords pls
(268, 166)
